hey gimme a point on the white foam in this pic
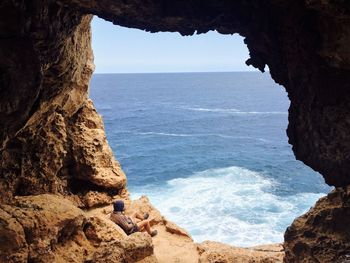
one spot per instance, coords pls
(104, 107)
(200, 135)
(236, 111)
(213, 110)
(231, 205)
(164, 134)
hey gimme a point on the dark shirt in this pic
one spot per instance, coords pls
(124, 222)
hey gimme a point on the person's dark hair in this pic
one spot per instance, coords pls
(118, 206)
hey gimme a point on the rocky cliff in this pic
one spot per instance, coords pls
(52, 140)
(50, 228)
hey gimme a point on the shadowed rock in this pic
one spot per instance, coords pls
(323, 233)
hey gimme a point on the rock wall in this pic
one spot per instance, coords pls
(52, 140)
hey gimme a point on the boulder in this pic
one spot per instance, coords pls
(215, 252)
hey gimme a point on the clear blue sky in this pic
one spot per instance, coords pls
(125, 50)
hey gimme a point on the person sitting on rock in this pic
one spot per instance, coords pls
(132, 224)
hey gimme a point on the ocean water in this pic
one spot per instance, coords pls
(210, 150)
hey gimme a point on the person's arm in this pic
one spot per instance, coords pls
(123, 221)
(129, 222)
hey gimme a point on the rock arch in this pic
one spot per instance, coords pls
(46, 63)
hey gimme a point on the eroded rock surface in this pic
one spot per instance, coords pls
(49, 228)
(212, 252)
(51, 138)
(323, 233)
(67, 155)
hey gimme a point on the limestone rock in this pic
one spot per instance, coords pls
(99, 230)
(49, 228)
(93, 158)
(323, 233)
(13, 246)
(42, 223)
(143, 206)
(134, 248)
(34, 153)
(51, 137)
(175, 229)
(211, 252)
(93, 172)
(95, 198)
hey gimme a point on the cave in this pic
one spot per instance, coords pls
(53, 139)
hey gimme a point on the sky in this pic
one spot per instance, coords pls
(124, 50)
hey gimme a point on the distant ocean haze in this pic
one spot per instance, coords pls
(210, 150)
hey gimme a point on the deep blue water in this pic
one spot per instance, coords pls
(208, 147)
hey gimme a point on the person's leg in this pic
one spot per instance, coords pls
(136, 216)
(144, 225)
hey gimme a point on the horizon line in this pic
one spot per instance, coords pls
(180, 72)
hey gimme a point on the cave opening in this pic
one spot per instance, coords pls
(201, 144)
(53, 141)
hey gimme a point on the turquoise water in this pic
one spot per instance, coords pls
(210, 150)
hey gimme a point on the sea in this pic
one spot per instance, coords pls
(209, 150)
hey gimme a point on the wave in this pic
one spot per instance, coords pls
(164, 134)
(201, 135)
(236, 111)
(212, 110)
(232, 205)
(103, 107)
